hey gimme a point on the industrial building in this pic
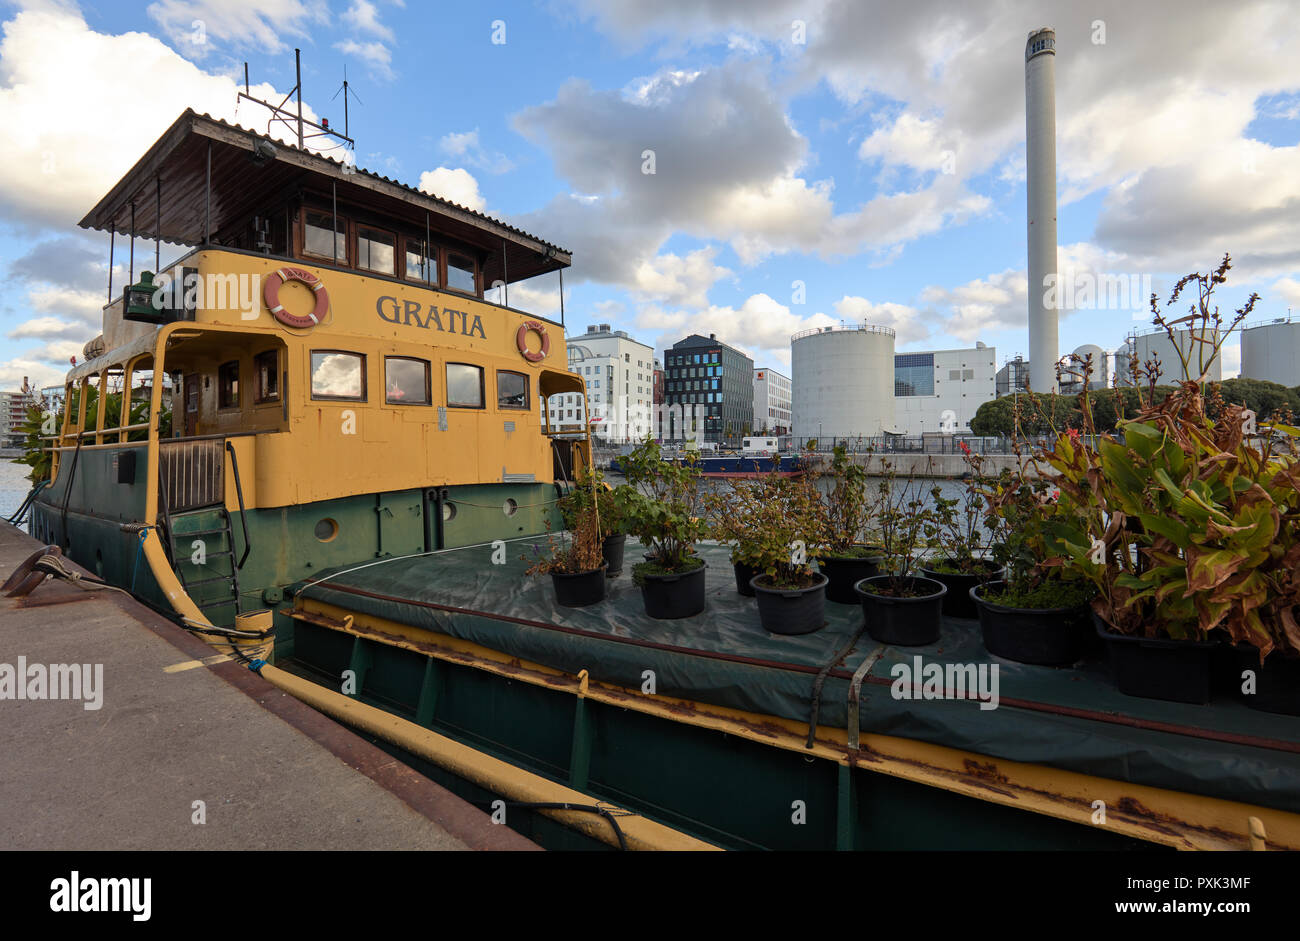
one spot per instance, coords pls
(1091, 361)
(1271, 351)
(941, 390)
(619, 375)
(843, 382)
(772, 393)
(705, 377)
(1154, 345)
(1012, 378)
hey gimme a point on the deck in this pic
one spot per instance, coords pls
(1067, 720)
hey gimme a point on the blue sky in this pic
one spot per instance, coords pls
(876, 154)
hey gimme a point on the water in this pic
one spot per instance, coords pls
(14, 485)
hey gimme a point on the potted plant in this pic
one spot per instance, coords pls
(665, 516)
(780, 533)
(731, 512)
(846, 559)
(1200, 518)
(956, 537)
(901, 607)
(575, 564)
(1037, 612)
(592, 490)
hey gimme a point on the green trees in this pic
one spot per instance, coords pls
(1110, 406)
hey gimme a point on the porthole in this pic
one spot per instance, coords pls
(448, 512)
(510, 507)
(326, 530)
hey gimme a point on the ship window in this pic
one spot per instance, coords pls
(338, 375)
(464, 385)
(460, 273)
(228, 385)
(419, 266)
(375, 250)
(406, 381)
(512, 390)
(316, 237)
(266, 377)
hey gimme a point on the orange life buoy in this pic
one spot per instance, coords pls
(271, 294)
(521, 341)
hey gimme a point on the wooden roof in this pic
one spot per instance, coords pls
(176, 167)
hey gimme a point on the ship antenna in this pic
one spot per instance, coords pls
(295, 122)
(347, 90)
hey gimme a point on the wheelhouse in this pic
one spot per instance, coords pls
(328, 339)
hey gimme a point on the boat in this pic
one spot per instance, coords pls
(314, 441)
(758, 457)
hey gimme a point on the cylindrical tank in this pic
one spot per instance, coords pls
(843, 381)
(1122, 375)
(1096, 368)
(1040, 187)
(1271, 351)
(1197, 352)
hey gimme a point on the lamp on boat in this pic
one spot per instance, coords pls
(143, 303)
(139, 297)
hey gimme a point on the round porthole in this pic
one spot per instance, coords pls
(448, 512)
(326, 530)
(510, 507)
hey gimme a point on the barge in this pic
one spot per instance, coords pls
(335, 482)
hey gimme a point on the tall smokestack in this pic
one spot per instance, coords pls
(1040, 165)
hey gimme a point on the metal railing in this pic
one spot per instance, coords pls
(844, 328)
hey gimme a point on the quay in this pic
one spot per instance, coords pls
(174, 725)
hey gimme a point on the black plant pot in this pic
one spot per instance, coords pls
(843, 572)
(612, 549)
(744, 575)
(1155, 668)
(679, 595)
(791, 610)
(1277, 681)
(576, 591)
(904, 622)
(1047, 636)
(957, 603)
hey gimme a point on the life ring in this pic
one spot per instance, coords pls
(521, 341)
(271, 294)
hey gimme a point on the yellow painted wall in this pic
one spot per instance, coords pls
(335, 448)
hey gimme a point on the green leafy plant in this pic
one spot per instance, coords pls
(591, 490)
(900, 515)
(572, 554)
(666, 512)
(846, 506)
(773, 524)
(1189, 524)
(953, 532)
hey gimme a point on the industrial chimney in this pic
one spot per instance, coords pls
(1040, 166)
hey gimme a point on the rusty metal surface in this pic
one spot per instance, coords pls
(1095, 715)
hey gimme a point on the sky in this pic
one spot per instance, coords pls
(749, 168)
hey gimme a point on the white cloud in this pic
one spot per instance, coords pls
(261, 24)
(908, 323)
(51, 177)
(712, 154)
(466, 148)
(761, 327)
(363, 16)
(454, 185)
(377, 57)
(672, 279)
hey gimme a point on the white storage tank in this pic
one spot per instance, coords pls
(843, 382)
(1155, 343)
(1072, 372)
(1271, 351)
